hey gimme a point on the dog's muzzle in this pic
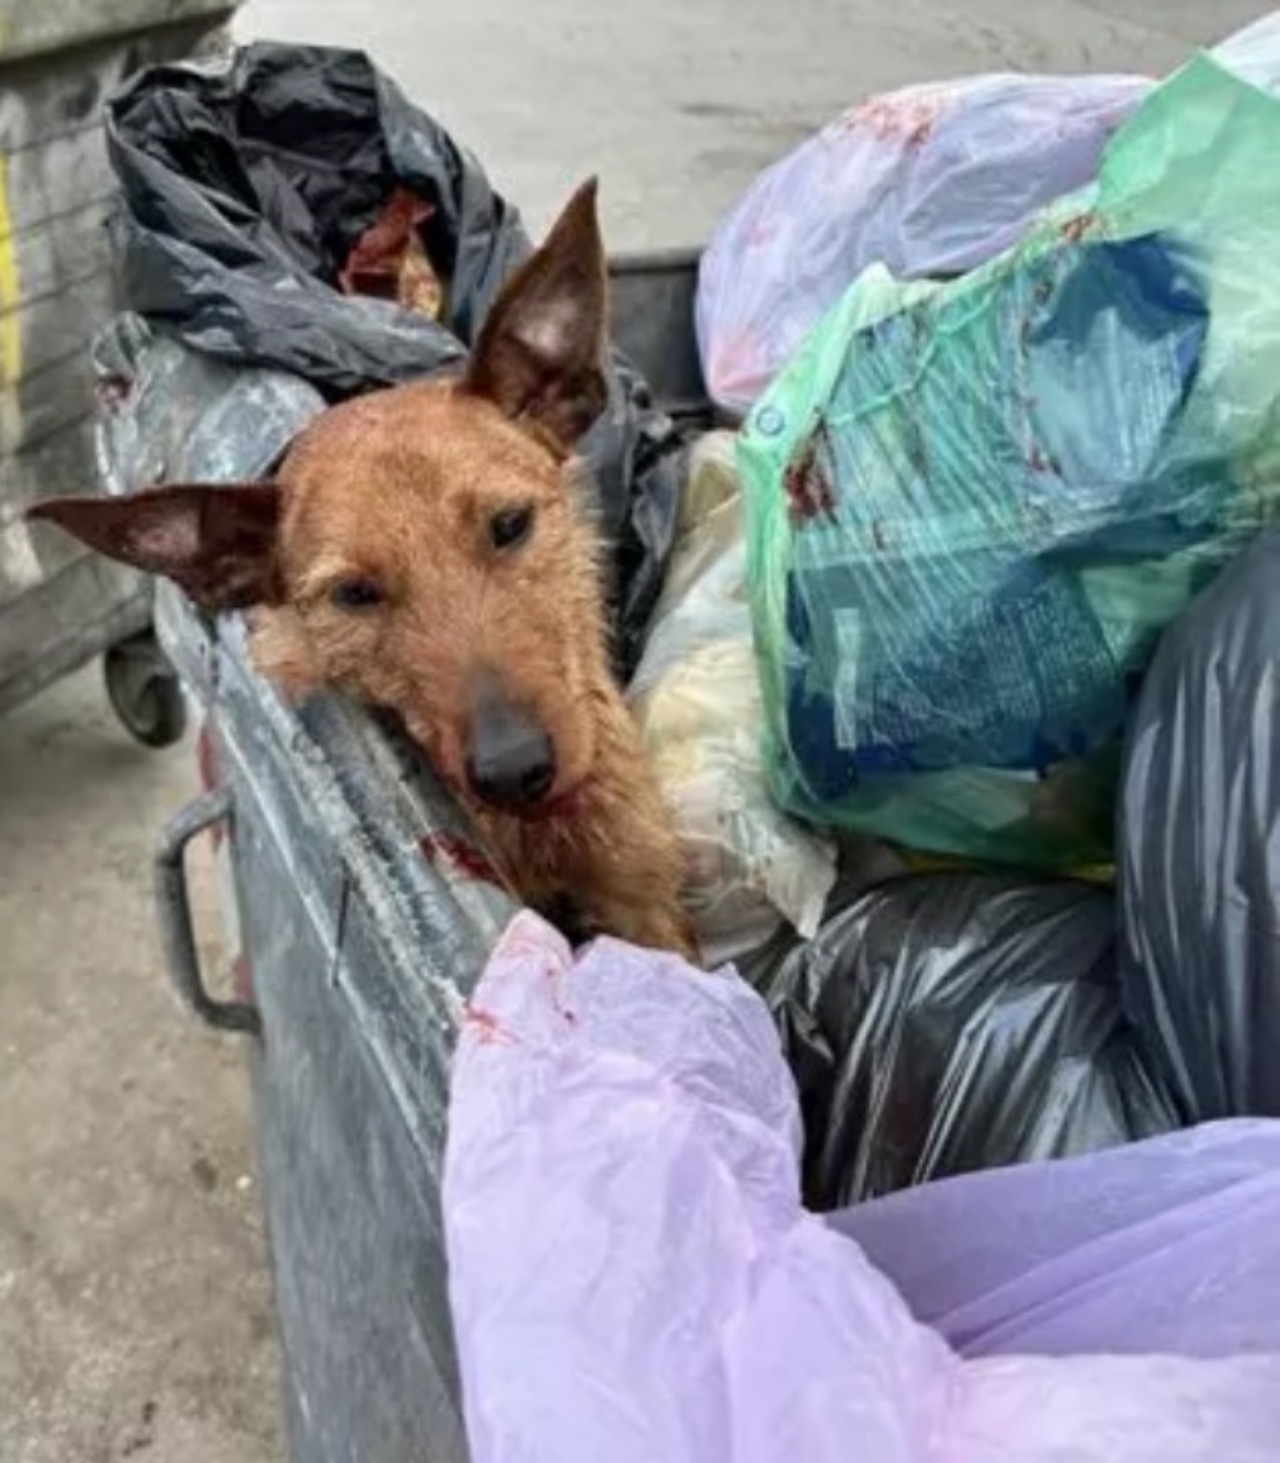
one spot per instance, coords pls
(511, 763)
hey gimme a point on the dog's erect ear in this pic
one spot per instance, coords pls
(216, 543)
(541, 353)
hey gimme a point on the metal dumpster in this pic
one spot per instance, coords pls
(59, 605)
(360, 914)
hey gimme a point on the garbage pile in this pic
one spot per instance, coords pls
(334, 234)
(958, 663)
(633, 1277)
(974, 505)
(929, 182)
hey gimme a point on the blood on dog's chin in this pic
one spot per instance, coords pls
(425, 541)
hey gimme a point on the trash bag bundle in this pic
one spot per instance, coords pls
(1199, 872)
(949, 1022)
(696, 700)
(632, 1274)
(289, 209)
(928, 180)
(973, 506)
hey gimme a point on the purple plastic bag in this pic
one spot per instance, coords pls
(633, 1277)
(929, 180)
(1170, 1245)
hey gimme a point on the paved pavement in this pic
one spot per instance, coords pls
(134, 1308)
(678, 103)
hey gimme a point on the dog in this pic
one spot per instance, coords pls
(428, 549)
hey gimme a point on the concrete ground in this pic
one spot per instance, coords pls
(135, 1309)
(135, 1312)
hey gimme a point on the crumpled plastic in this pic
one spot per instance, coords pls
(931, 180)
(948, 1022)
(632, 1275)
(696, 699)
(1200, 848)
(168, 413)
(972, 507)
(245, 186)
(1161, 1246)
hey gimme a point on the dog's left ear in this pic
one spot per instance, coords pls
(542, 350)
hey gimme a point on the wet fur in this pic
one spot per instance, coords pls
(400, 489)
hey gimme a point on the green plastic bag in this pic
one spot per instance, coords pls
(972, 506)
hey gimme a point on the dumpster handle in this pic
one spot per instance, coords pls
(177, 933)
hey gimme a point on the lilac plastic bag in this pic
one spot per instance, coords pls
(633, 1277)
(1170, 1245)
(930, 180)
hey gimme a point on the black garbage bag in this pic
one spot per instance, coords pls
(1200, 848)
(949, 1022)
(245, 187)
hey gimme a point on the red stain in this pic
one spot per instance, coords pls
(207, 771)
(449, 848)
(1077, 228)
(389, 260)
(242, 980)
(488, 1029)
(808, 488)
(567, 804)
(761, 233)
(902, 116)
(207, 759)
(113, 391)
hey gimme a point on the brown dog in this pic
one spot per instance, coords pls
(426, 547)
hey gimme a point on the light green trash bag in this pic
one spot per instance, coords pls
(972, 506)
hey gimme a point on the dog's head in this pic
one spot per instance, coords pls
(425, 546)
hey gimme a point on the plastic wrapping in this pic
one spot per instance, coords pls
(247, 185)
(929, 180)
(696, 699)
(1013, 1260)
(632, 1275)
(166, 412)
(1254, 52)
(1200, 847)
(972, 507)
(949, 1022)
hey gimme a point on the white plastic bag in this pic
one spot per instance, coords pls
(696, 698)
(930, 180)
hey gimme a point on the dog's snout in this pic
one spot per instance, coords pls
(511, 764)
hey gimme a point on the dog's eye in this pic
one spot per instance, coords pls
(356, 594)
(511, 527)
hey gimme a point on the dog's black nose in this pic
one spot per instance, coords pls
(512, 762)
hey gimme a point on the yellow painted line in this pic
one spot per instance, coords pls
(10, 290)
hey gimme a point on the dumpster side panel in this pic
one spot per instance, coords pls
(35, 27)
(58, 606)
(352, 1203)
(365, 913)
(361, 946)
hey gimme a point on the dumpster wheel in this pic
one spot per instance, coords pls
(143, 690)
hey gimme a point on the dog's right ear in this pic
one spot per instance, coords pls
(217, 543)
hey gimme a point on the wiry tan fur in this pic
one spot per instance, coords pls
(400, 487)
(400, 490)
